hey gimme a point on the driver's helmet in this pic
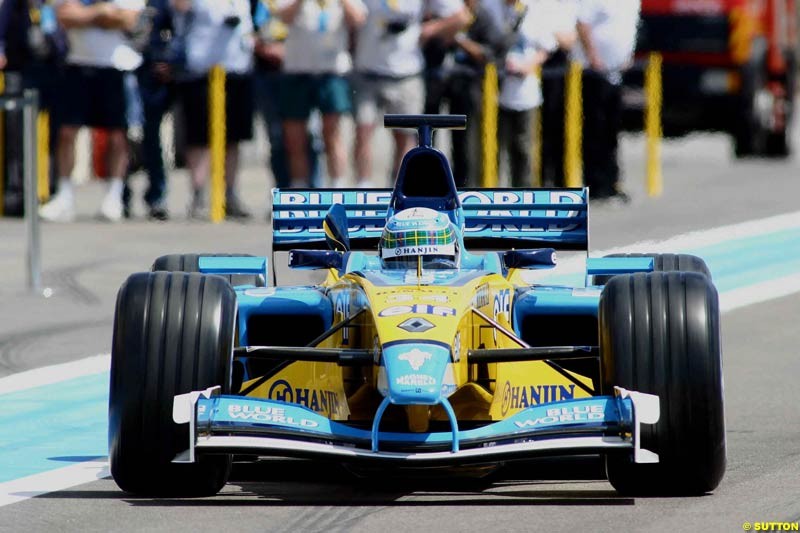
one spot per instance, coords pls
(419, 232)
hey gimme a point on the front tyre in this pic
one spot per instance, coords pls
(173, 334)
(659, 334)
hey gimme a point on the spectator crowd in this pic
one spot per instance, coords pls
(120, 66)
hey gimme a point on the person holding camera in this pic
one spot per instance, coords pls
(389, 69)
(215, 32)
(316, 65)
(530, 37)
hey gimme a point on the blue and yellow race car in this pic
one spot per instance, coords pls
(431, 342)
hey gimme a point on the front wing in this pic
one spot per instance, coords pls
(241, 425)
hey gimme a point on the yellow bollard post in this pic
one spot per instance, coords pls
(573, 127)
(216, 140)
(43, 155)
(2, 148)
(489, 133)
(653, 128)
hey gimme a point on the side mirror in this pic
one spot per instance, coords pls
(543, 257)
(315, 259)
(335, 226)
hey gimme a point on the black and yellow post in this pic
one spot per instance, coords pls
(573, 127)
(653, 126)
(216, 138)
(489, 126)
(43, 155)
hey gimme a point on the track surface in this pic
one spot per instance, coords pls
(704, 188)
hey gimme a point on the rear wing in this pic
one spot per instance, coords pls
(494, 219)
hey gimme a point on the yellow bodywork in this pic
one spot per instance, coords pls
(475, 315)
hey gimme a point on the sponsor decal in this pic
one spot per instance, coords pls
(586, 293)
(416, 325)
(260, 292)
(341, 309)
(526, 396)
(583, 413)
(481, 296)
(416, 358)
(457, 348)
(319, 400)
(418, 309)
(502, 307)
(376, 350)
(274, 415)
(430, 249)
(416, 214)
(415, 380)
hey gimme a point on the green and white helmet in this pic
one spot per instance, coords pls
(419, 232)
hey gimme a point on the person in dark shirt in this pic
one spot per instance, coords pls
(480, 44)
(32, 50)
(162, 55)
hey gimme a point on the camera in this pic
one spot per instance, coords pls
(398, 25)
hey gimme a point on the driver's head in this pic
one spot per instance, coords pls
(419, 232)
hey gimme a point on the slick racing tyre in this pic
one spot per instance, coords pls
(173, 334)
(665, 263)
(659, 334)
(191, 263)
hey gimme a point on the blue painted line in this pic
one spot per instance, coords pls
(53, 426)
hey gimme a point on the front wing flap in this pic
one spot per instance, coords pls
(235, 424)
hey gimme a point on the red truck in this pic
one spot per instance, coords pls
(729, 65)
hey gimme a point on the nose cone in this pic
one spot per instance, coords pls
(416, 373)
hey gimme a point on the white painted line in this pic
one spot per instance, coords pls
(758, 293)
(51, 481)
(48, 375)
(710, 237)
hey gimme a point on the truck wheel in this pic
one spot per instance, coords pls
(778, 145)
(191, 263)
(173, 334)
(664, 263)
(659, 334)
(750, 132)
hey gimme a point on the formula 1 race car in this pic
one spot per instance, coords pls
(427, 345)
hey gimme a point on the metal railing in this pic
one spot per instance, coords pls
(29, 103)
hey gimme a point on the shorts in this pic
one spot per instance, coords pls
(404, 96)
(193, 96)
(94, 97)
(301, 93)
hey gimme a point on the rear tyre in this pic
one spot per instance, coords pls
(665, 263)
(659, 334)
(173, 334)
(191, 263)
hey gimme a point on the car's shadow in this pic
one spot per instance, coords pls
(299, 483)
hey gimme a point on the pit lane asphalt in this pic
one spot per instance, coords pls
(86, 262)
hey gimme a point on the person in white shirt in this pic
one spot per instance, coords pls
(216, 32)
(389, 66)
(607, 35)
(316, 64)
(93, 95)
(531, 38)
